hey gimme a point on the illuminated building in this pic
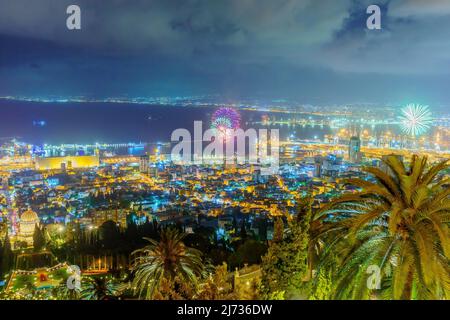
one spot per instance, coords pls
(119, 216)
(331, 166)
(67, 162)
(256, 176)
(153, 172)
(318, 162)
(354, 150)
(143, 163)
(28, 221)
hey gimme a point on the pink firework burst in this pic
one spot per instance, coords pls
(225, 119)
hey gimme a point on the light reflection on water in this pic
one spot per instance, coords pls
(89, 123)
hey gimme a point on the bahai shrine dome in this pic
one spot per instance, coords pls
(28, 221)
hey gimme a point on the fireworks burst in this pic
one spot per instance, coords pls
(415, 119)
(224, 119)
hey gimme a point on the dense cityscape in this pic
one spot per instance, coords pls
(91, 206)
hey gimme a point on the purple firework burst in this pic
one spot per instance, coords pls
(224, 119)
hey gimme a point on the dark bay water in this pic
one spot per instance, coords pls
(115, 123)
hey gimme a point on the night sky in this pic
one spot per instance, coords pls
(309, 50)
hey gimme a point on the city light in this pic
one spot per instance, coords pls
(223, 150)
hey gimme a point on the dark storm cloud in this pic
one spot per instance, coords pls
(299, 32)
(235, 45)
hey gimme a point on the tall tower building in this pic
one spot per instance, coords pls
(143, 163)
(318, 166)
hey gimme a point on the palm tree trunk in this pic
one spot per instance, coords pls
(407, 292)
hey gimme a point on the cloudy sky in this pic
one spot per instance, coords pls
(315, 51)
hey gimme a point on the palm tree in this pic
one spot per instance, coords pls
(164, 262)
(98, 288)
(399, 223)
(315, 221)
(63, 292)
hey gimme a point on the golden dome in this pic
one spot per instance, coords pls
(28, 221)
(29, 216)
